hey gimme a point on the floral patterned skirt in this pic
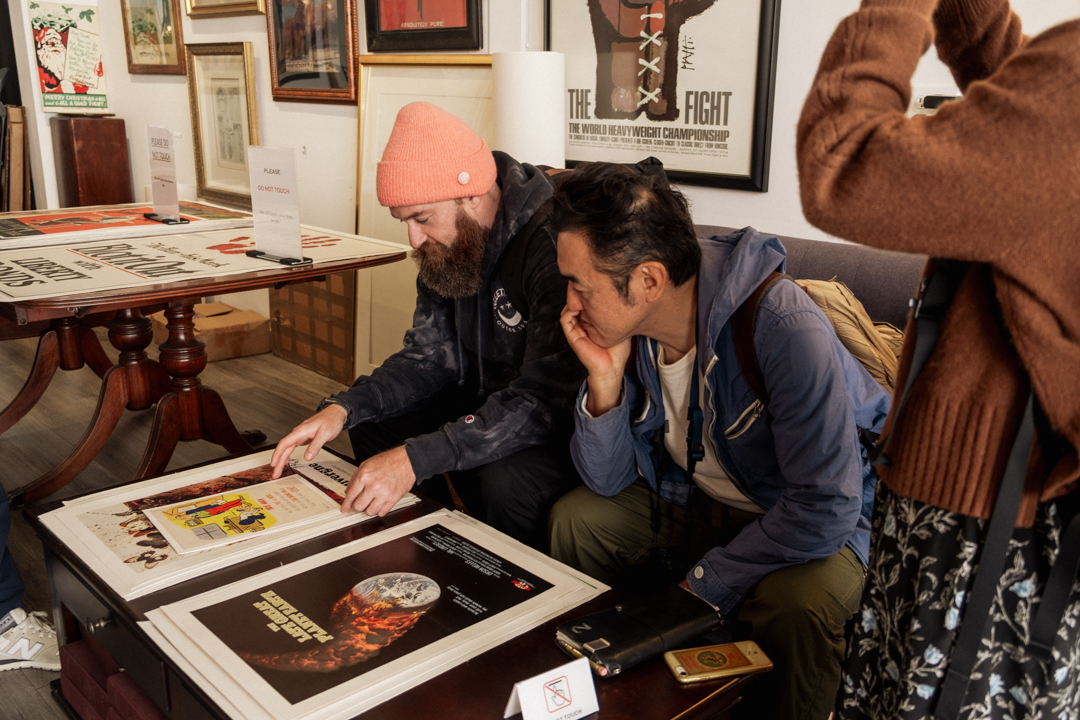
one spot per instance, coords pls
(922, 566)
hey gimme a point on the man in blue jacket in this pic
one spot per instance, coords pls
(776, 500)
(482, 389)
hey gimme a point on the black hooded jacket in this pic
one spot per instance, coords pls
(527, 371)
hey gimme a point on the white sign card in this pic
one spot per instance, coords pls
(162, 172)
(274, 202)
(564, 693)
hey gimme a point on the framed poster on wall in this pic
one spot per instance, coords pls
(153, 37)
(419, 25)
(313, 50)
(690, 82)
(67, 46)
(224, 119)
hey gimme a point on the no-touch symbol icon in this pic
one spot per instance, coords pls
(557, 694)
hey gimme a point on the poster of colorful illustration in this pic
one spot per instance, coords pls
(111, 532)
(676, 79)
(67, 45)
(125, 529)
(222, 518)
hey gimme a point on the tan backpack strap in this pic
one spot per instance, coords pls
(743, 321)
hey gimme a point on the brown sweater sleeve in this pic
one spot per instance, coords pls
(942, 185)
(973, 37)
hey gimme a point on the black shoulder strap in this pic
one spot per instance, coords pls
(512, 261)
(991, 562)
(935, 295)
(743, 321)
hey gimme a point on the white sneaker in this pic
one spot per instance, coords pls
(30, 644)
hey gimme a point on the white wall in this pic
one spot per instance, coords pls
(805, 28)
(325, 135)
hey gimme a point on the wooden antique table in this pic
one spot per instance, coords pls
(478, 688)
(186, 410)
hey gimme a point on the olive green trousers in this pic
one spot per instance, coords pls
(796, 614)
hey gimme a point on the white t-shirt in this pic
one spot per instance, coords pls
(709, 474)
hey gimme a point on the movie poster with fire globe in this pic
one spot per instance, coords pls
(67, 47)
(687, 81)
(353, 627)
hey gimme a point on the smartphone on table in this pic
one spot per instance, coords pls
(717, 661)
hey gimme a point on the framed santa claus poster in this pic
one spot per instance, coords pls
(67, 47)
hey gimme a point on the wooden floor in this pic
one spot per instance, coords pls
(261, 392)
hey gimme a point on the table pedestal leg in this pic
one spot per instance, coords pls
(190, 411)
(66, 345)
(45, 364)
(133, 383)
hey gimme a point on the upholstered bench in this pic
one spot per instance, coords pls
(883, 280)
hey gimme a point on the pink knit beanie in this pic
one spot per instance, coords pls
(432, 156)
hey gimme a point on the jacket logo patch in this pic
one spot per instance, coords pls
(507, 316)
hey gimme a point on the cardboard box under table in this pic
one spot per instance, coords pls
(226, 331)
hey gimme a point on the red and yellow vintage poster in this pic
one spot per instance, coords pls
(421, 14)
(67, 46)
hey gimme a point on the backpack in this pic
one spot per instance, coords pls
(875, 345)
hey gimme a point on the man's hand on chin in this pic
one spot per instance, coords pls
(379, 483)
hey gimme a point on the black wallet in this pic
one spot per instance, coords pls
(634, 631)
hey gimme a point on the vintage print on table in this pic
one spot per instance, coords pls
(67, 45)
(35, 228)
(313, 49)
(194, 524)
(112, 533)
(224, 8)
(153, 37)
(688, 81)
(224, 119)
(93, 267)
(335, 634)
(416, 25)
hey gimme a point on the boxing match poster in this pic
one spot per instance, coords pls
(67, 46)
(687, 81)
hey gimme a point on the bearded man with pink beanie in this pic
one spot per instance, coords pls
(482, 390)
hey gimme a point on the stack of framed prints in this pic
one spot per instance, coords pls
(146, 536)
(337, 633)
(333, 631)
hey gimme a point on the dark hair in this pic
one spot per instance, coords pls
(627, 218)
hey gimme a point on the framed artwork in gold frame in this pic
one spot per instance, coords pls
(153, 37)
(313, 50)
(224, 8)
(224, 119)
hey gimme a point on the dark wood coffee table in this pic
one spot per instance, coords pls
(478, 688)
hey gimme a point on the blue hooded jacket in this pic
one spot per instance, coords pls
(799, 458)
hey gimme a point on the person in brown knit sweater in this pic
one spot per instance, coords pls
(993, 179)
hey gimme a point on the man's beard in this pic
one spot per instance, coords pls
(454, 272)
(53, 63)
